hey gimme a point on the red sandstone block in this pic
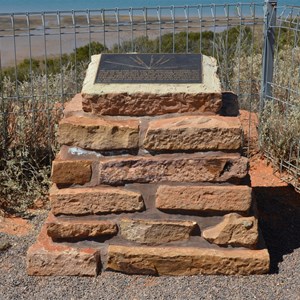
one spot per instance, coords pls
(47, 258)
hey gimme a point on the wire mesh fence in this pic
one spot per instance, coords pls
(44, 55)
(280, 112)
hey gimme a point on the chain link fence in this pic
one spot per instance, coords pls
(44, 55)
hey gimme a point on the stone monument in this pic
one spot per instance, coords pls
(150, 177)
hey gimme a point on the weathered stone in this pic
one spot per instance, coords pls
(155, 231)
(99, 134)
(206, 199)
(152, 99)
(46, 258)
(94, 200)
(186, 261)
(173, 167)
(58, 228)
(71, 171)
(234, 230)
(197, 133)
(147, 104)
(74, 106)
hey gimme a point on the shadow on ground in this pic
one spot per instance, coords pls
(279, 214)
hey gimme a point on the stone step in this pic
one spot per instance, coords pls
(120, 170)
(79, 228)
(211, 199)
(154, 232)
(194, 133)
(45, 258)
(136, 99)
(93, 133)
(183, 261)
(94, 200)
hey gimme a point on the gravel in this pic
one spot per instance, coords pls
(280, 224)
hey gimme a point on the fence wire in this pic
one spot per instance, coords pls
(44, 55)
(280, 114)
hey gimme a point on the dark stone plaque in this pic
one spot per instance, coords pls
(149, 68)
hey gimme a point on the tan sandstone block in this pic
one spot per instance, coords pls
(186, 261)
(74, 106)
(71, 171)
(94, 200)
(46, 258)
(140, 99)
(210, 167)
(210, 199)
(155, 231)
(234, 230)
(198, 133)
(59, 228)
(98, 134)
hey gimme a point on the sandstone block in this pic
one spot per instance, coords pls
(234, 230)
(186, 261)
(155, 231)
(207, 199)
(148, 104)
(140, 99)
(173, 167)
(197, 133)
(98, 134)
(74, 106)
(96, 200)
(46, 258)
(58, 228)
(71, 171)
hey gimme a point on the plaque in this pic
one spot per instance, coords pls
(149, 68)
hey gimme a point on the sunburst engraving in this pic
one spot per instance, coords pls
(137, 62)
(149, 68)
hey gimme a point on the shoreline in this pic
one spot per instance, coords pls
(38, 42)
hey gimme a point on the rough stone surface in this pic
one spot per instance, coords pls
(58, 228)
(71, 171)
(210, 199)
(74, 106)
(99, 134)
(96, 200)
(146, 104)
(155, 231)
(198, 133)
(186, 261)
(173, 167)
(152, 99)
(46, 258)
(234, 230)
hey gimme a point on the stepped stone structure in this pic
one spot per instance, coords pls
(150, 177)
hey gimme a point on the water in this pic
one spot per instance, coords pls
(54, 5)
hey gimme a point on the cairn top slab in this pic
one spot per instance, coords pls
(149, 68)
(188, 74)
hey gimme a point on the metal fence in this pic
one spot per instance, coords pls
(280, 101)
(43, 57)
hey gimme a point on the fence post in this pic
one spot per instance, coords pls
(270, 10)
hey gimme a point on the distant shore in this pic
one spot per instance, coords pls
(38, 41)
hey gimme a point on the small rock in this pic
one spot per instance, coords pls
(234, 230)
(4, 245)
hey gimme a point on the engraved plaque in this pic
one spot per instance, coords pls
(149, 68)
